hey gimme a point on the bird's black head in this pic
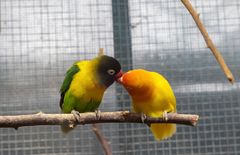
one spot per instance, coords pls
(109, 70)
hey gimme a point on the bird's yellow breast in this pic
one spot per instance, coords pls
(157, 97)
(85, 84)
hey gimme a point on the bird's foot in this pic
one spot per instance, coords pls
(165, 115)
(76, 115)
(143, 117)
(98, 114)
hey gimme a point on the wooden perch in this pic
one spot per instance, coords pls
(90, 118)
(208, 40)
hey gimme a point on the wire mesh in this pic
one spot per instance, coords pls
(39, 40)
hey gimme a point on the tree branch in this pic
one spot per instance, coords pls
(102, 139)
(208, 40)
(90, 118)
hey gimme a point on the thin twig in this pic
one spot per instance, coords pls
(100, 51)
(96, 129)
(208, 40)
(90, 118)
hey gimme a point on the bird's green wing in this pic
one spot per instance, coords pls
(67, 81)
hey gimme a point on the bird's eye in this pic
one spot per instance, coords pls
(111, 71)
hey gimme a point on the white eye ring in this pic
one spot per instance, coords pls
(111, 71)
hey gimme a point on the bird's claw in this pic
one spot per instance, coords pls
(165, 115)
(76, 115)
(98, 114)
(143, 117)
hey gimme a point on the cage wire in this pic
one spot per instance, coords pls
(40, 39)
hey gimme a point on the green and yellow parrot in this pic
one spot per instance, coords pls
(84, 84)
(152, 96)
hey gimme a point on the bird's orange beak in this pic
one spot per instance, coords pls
(120, 80)
(129, 79)
(124, 79)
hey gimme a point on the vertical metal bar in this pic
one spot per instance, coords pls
(122, 37)
(122, 33)
(123, 52)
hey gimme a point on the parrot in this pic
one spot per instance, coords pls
(152, 96)
(85, 83)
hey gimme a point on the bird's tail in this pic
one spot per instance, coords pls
(163, 131)
(66, 128)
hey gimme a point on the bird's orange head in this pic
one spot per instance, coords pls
(136, 82)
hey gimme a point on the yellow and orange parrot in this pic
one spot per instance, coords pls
(151, 96)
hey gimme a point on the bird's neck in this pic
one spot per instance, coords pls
(141, 95)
